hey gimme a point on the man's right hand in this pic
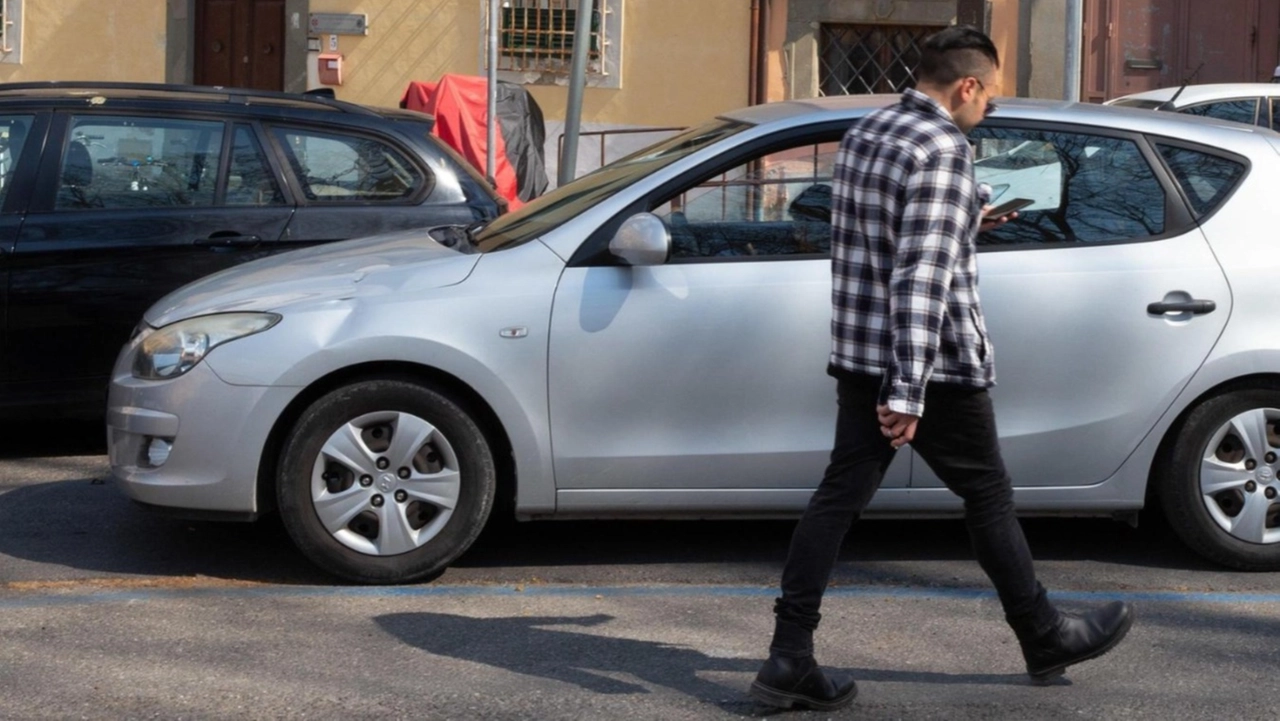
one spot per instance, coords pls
(899, 428)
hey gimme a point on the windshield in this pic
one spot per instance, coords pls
(573, 199)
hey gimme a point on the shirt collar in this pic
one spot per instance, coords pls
(913, 99)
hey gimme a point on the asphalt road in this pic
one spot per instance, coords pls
(108, 612)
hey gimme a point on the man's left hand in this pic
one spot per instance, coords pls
(993, 223)
(899, 428)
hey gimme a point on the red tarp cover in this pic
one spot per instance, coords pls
(460, 104)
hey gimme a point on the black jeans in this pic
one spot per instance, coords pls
(956, 436)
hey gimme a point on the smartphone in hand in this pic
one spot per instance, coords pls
(1007, 207)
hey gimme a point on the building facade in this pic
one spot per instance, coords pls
(652, 63)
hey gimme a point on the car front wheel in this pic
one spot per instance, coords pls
(385, 481)
(1220, 483)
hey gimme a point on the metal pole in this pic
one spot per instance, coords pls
(491, 116)
(577, 79)
(1075, 40)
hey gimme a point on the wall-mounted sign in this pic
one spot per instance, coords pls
(339, 24)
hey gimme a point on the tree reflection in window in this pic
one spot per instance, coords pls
(1206, 179)
(1237, 111)
(1086, 188)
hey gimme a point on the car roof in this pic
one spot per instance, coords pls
(847, 107)
(1192, 94)
(94, 92)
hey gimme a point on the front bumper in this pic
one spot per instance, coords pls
(215, 431)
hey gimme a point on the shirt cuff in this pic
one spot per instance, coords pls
(906, 398)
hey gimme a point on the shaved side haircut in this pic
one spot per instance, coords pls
(959, 51)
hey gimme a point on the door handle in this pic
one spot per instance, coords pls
(233, 240)
(1195, 307)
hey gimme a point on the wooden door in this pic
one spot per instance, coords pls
(240, 43)
(1098, 29)
(1221, 38)
(1136, 45)
(1145, 47)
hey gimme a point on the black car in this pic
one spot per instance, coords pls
(114, 194)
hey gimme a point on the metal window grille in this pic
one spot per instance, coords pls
(862, 59)
(6, 28)
(537, 36)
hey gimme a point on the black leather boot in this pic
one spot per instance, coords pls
(792, 678)
(786, 682)
(1076, 638)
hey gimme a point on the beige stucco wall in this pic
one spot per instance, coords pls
(90, 40)
(672, 73)
(1045, 34)
(408, 40)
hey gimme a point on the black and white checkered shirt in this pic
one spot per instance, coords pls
(905, 214)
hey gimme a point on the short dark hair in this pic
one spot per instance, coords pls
(959, 51)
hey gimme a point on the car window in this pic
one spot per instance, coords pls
(776, 204)
(1084, 188)
(547, 212)
(1275, 114)
(126, 162)
(1238, 111)
(249, 177)
(1206, 179)
(13, 135)
(335, 168)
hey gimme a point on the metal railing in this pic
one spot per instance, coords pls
(604, 136)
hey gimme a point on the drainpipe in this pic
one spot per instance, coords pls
(762, 53)
(753, 68)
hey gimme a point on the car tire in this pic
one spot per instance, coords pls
(385, 481)
(1218, 481)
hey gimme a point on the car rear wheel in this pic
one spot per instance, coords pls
(1220, 482)
(385, 481)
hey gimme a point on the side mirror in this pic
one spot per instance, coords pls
(642, 239)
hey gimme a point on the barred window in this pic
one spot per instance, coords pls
(11, 31)
(536, 39)
(864, 59)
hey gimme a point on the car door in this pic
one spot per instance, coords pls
(21, 137)
(352, 183)
(701, 382)
(1085, 365)
(123, 206)
(252, 208)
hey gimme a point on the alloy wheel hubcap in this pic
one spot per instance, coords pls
(385, 483)
(1238, 476)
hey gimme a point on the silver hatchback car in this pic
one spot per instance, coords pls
(651, 339)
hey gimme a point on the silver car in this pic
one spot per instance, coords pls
(1250, 103)
(651, 340)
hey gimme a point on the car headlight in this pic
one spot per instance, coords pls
(170, 351)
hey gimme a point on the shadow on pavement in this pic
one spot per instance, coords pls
(567, 543)
(594, 662)
(83, 523)
(88, 525)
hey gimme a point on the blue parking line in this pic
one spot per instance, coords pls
(22, 600)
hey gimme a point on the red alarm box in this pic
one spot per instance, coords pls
(330, 68)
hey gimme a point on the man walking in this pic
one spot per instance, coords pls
(913, 363)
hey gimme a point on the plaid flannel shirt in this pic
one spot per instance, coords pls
(905, 215)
